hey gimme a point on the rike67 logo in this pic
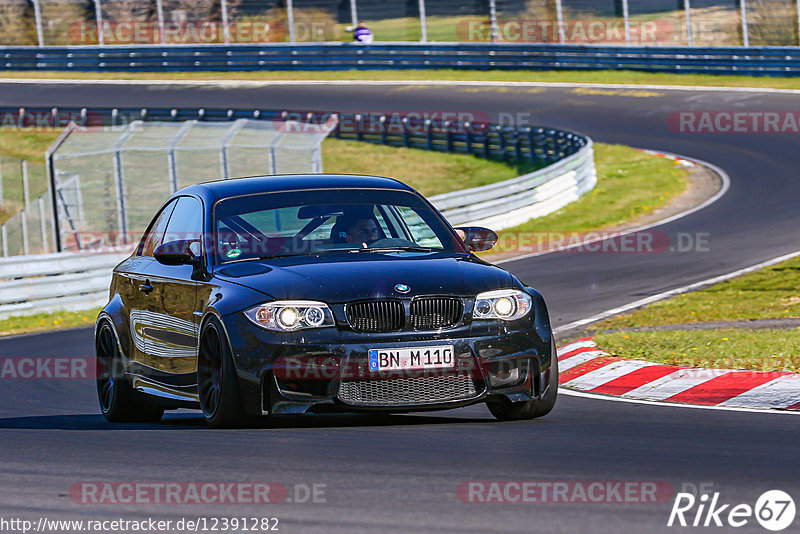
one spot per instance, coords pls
(774, 510)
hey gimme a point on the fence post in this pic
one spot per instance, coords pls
(745, 29)
(37, 13)
(1, 182)
(24, 216)
(26, 194)
(225, 28)
(160, 12)
(98, 15)
(290, 21)
(493, 19)
(43, 225)
(353, 13)
(798, 21)
(423, 24)
(627, 20)
(560, 22)
(687, 7)
(119, 179)
(4, 236)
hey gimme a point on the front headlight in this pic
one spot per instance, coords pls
(504, 304)
(290, 315)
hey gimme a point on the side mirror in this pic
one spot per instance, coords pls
(476, 238)
(177, 253)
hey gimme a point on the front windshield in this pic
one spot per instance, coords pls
(322, 221)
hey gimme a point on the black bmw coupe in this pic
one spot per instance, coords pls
(264, 296)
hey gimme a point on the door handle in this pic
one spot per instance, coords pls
(146, 288)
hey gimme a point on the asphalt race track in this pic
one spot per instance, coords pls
(401, 473)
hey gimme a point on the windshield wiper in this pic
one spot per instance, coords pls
(394, 249)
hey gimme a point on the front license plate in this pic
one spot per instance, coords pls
(440, 357)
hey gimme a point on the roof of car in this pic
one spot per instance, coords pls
(291, 182)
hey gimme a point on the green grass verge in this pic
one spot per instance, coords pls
(430, 173)
(602, 76)
(756, 350)
(44, 322)
(769, 293)
(630, 184)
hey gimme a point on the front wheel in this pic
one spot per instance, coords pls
(217, 384)
(118, 400)
(505, 410)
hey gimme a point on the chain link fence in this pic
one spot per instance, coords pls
(25, 208)
(108, 181)
(634, 22)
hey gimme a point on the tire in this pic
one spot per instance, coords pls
(505, 410)
(217, 384)
(119, 403)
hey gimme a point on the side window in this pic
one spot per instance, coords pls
(422, 233)
(157, 230)
(186, 222)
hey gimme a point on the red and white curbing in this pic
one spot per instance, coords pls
(583, 366)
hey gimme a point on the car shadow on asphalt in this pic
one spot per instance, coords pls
(190, 421)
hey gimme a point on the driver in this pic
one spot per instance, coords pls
(362, 230)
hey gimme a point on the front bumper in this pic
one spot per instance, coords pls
(327, 370)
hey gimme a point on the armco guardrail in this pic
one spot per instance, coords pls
(49, 282)
(512, 202)
(765, 61)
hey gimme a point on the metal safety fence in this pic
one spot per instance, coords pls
(107, 180)
(754, 61)
(25, 209)
(622, 22)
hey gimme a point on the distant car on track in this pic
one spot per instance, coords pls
(291, 294)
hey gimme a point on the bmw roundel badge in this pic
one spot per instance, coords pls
(402, 288)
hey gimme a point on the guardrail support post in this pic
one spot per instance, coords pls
(798, 22)
(560, 22)
(745, 29)
(225, 28)
(290, 21)
(353, 13)
(98, 15)
(493, 19)
(687, 8)
(4, 236)
(626, 16)
(37, 13)
(160, 12)
(423, 24)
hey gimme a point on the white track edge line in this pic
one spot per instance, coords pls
(487, 83)
(573, 393)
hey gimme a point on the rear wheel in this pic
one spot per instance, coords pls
(505, 410)
(217, 385)
(118, 401)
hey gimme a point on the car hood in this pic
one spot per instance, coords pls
(336, 278)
